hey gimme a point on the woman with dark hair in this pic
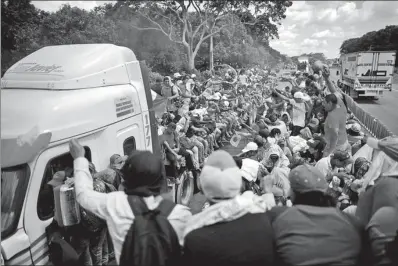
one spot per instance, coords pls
(313, 231)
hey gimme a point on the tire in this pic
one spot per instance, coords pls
(185, 189)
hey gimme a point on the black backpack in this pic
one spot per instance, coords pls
(151, 240)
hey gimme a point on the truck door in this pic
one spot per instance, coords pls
(39, 211)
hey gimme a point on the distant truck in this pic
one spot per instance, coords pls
(367, 74)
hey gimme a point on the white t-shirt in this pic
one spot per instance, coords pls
(325, 167)
(299, 111)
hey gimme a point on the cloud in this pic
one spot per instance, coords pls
(322, 26)
(328, 34)
(328, 14)
(313, 42)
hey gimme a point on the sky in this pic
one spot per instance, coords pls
(310, 26)
(322, 26)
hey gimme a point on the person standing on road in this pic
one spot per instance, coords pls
(335, 123)
(234, 229)
(143, 178)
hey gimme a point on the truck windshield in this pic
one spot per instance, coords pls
(14, 181)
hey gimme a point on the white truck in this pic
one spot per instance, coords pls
(97, 93)
(367, 74)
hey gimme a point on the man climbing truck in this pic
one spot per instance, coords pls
(367, 74)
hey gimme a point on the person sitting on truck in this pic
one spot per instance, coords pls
(171, 92)
(335, 123)
(143, 178)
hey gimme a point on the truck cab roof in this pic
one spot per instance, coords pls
(70, 67)
(69, 90)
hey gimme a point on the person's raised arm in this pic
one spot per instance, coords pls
(281, 95)
(89, 199)
(329, 83)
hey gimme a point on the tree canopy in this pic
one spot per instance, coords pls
(170, 36)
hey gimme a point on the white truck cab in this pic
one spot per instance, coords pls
(97, 93)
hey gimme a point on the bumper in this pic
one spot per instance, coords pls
(371, 92)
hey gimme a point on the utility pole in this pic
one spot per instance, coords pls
(211, 55)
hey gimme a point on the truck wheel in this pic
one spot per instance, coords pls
(185, 188)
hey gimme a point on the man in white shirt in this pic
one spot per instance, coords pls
(300, 110)
(143, 177)
(330, 165)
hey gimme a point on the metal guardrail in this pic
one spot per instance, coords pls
(369, 122)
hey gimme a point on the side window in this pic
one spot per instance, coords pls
(128, 146)
(63, 162)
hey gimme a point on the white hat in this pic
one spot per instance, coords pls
(220, 178)
(251, 146)
(177, 75)
(298, 95)
(249, 169)
(356, 127)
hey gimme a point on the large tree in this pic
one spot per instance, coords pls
(191, 23)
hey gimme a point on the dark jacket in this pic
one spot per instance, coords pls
(246, 241)
(309, 235)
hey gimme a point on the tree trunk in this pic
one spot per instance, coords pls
(211, 55)
(191, 62)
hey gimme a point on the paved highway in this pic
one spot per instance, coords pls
(385, 109)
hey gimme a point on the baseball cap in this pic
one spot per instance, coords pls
(342, 156)
(298, 95)
(117, 160)
(251, 146)
(58, 179)
(307, 178)
(388, 145)
(314, 122)
(220, 178)
(177, 75)
(356, 127)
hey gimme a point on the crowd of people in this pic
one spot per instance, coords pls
(308, 188)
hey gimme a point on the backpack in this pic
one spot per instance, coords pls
(151, 240)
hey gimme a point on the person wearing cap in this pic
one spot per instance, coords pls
(215, 235)
(297, 229)
(314, 125)
(335, 123)
(249, 151)
(143, 175)
(186, 94)
(384, 192)
(329, 166)
(282, 144)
